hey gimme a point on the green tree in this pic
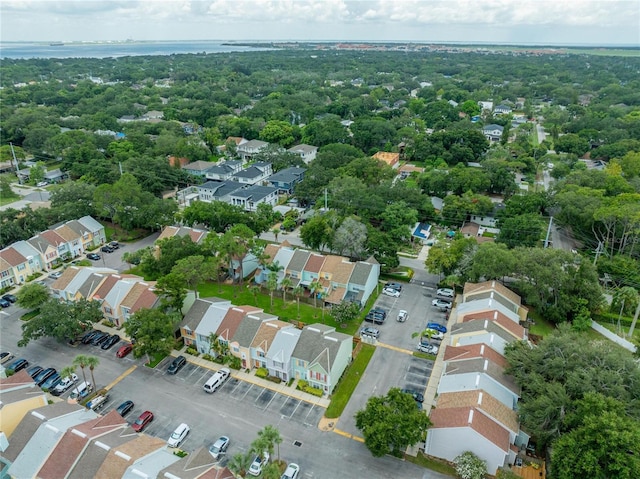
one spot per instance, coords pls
(33, 295)
(194, 270)
(315, 288)
(297, 292)
(153, 332)
(235, 245)
(350, 238)
(272, 285)
(276, 131)
(470, 466)
(5, 188)
(73, 199)
(172, 292)
(268, 439)
(61, 321)
(316, 233)
(492, 261)
(345, 312)
(67, 371)
(37, 172)
(521, 230)
(81, 361)
(391, 423)
(285, 284)
(92, 362)
(240, 462)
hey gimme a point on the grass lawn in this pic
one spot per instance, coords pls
(155, 360)
(30, 315)
(7, 201)
(433, 464)
(116, 233)
(349, 381)
(285, 310)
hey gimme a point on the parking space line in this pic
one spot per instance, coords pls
(347, 435)
(206, 373)
(272, 398)
(121, 377)
(395, 348)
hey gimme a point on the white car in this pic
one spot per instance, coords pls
(219, 447)
(439, 303)
(64, 384)
(55, 274)
(428, 348)
(42, 184)
(402, 316)
(446, 292)
(434, 334)
(178, 435)
(292, 471)
(258, 463)
(391, 292)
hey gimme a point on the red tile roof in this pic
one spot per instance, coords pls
(53, 237)
(232, 320)
(498, 318)
(314, 263)
(12, 257)
(472, 351)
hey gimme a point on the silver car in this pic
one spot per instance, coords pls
(219, 447)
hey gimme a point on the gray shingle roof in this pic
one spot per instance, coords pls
(360, 274)
(287, 175)
(251, 172)
(249, 327)
(221, 189)
(480, 325)
(255, 192)
(298, 260)
(319, 344)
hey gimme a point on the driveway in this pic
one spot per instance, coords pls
(114, 260)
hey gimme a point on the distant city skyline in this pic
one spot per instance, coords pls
(527, 22)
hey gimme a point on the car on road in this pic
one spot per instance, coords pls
(258, 463)
(402, 316)
(125, 408)
(6, 356)
(176, 365)
(124, 350)
(106, 249)
(34, 371)
(55, 274)
(219, 447)
(427, 348)
(178, 436)
(417, 396)
(10, 297)
(440, 303)
(391, 292)
(93, 256)
(100, 338)
(4, 303)
(64, 384)
(18, 365)
(396, 286)
(52, 382)
(142, 421)
(291, 472)
(437, 327)
(433, 334)
(376, 315)
(110, 341)
(446, 292)
(44, 375)
(368, 331)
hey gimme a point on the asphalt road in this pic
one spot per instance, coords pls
(238, 409)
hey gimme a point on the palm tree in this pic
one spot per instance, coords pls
(81, 361)
(271, 437)
(272, 284)
(255, 289)
(67, 371)
(285, 284)
(214, 344)
(297, 292)
(240, 462)
(322, 295)
(275, 232)
(315, 287)
(92, 362)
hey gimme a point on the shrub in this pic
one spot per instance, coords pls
(262, 372)
(234, 363)
(301, 385)
(315, 391)
(221, 359)
(193, 351)
(290, 382)
(208, 357)
(274, 379)
(108, 323)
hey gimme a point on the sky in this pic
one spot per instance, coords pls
(533, 22)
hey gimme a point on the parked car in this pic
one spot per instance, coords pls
(417, 396)
(64, 384)
(142, 421)
(178, 436)
(41, 184)
(440, 303)
(176, 365)
(124, 350)
(435, 334)
(291, 472)
(437, 327)
(4, 303)
(6, 356)
(110, 341)
(125, 408)
(88, 337)
(402, 316)
(114, 245)
(217, 380)
(18, 365)
(93, 256)
(368, 331)
(34, 371)
(55, 274)
(258, 463)
(10, 297)
(219, 447)
(52, 382)
(446, 292)
(396, 286)
(44, 375)
(376, 315)
(106, 249)
(100, 338)
(427, 348)
(391, 292)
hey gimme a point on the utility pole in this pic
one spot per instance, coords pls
(546, 240)
(120, 166)
(15, 162)
(325, 200)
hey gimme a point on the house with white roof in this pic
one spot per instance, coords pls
(278, 356)
(306, 152)
(247, 150)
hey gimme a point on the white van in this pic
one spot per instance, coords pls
(216, 380)
(81, 391)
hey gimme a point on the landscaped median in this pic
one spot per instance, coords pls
(349, 381)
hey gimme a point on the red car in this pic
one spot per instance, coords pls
(124, 350)
(142, 422)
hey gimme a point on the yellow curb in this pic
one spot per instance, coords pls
(349, 436)
(394, 348)
(121, 377)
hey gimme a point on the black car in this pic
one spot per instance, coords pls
(177, 364)
(111, 340)
(44, 375)
(93, 256)
(34, 371)
(99, 338)
(106, 249)
(10, 297)
(417, 396)
(125, 408)
(18, 365)
(51, 382)
(4, 303)
(88, 336)
(376, 315)
(396, 286)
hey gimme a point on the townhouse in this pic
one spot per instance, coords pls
(278, 357)
(307, 153)
(246, 151)
(14, 268)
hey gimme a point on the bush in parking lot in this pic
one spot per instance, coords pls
(262, 372)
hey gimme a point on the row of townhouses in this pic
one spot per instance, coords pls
(47, 250)
(316, 353)
(119, 295)
(476, 407)
(57, 440)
